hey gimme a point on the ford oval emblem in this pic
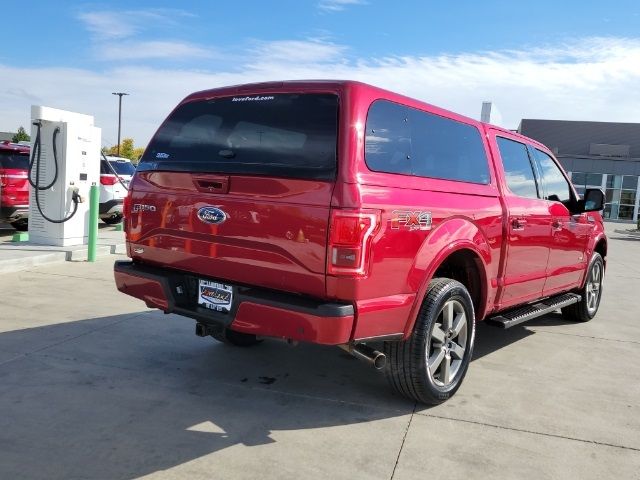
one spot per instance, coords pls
(211, 215)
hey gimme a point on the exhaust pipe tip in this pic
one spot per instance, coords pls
(379, 361)
(368, 354)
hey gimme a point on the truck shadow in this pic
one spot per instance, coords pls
(123, 396)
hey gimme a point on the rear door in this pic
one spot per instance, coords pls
(528, 225)
(569, 233)
(239, 189)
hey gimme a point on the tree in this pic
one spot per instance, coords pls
(21, 136)
(127, 150)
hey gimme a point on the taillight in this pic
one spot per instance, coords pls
(13, 178)
(108, 179)
(126, 204)
(350, 233)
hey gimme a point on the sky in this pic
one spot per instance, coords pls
(571, 60)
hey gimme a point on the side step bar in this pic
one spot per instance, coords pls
(521, 314)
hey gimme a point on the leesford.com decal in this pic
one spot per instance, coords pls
(252, 99)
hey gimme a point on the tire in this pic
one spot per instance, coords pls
(237, 339)
(112, 220)
(591, 293)
(407, 361)
(21, 225)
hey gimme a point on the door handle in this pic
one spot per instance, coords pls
(518, 223)
(556, 225)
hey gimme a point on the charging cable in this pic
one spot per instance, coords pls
(35, 160)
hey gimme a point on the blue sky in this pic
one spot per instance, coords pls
(543, 59)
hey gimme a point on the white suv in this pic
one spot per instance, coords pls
(113, 187)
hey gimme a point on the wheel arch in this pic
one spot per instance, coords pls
(456, 249)
(599, 246)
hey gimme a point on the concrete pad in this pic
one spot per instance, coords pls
(33, 301)
(558, 384)
(94, 408)
(436, 447)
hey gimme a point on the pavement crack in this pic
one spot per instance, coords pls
(404, 438)
(584, 336)
(109, 280)
(531, 432)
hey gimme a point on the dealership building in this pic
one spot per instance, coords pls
(596, 154)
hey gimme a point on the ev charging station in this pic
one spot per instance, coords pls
(65, 162)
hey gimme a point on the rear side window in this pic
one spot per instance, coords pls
(17, 161)
(286, 135)
(518, 169)
(556, 187)
(408, 141)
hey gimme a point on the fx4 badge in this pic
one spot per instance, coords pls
(410, 220)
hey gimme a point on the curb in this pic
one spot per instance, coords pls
(631, 233)
(48, 258)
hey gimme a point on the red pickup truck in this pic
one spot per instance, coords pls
(337, 213)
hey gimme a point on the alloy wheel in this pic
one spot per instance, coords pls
(447, 343)
(594, 286)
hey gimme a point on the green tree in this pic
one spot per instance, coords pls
(127, 150)
(21, 136)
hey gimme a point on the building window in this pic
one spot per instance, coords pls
(583, 181)
(620, 197)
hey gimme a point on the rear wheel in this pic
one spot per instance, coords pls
(591, 293)
(237, 339)
(430, 365)
(21, 225)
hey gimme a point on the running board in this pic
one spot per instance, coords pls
(519, 315)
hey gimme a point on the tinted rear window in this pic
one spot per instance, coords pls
(286, 135)
(18, 161)
(121, 167)
(412, 142)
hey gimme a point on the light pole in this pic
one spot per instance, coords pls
(120, 95)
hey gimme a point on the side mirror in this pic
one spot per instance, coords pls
(592, 201)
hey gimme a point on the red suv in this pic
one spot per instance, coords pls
(338, 213)
(14, 184)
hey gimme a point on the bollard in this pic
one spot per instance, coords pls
(94, 205)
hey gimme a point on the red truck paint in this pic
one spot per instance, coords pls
(14, 185)
(282, 234)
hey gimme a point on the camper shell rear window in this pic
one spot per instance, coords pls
(279, 135)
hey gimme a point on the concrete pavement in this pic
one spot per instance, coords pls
(94, 385)
(16, 256)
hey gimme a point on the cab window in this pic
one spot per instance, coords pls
(556, 187)
(518, 170)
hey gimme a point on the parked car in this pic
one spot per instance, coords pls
(114, 181)
(337, 213)
(14, 184)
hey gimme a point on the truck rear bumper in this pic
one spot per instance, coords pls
(257, 311)
(14, 213)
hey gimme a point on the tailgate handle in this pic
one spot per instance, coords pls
(213, 184)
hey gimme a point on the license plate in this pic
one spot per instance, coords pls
(215, 296)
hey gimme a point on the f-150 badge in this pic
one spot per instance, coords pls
(410, 220)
